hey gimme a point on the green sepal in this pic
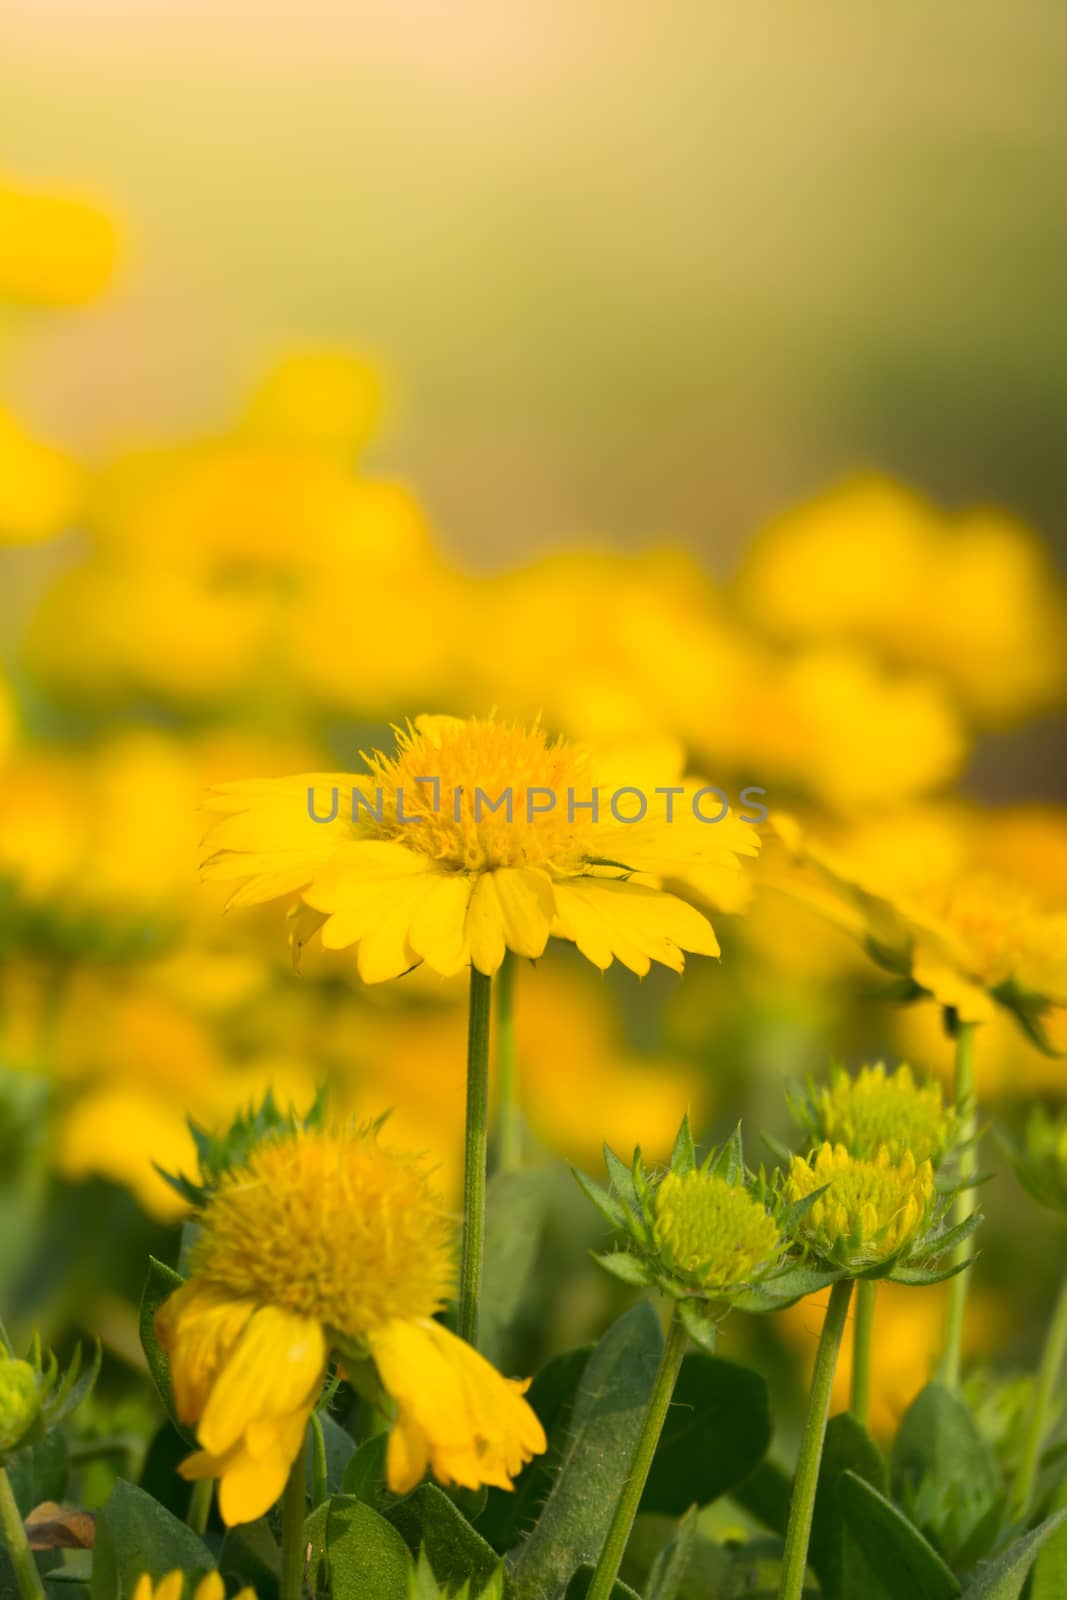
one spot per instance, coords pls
(624, 1266)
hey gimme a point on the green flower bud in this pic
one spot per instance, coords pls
(20, 1401)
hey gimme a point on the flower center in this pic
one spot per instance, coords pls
(478, 795)
(711, 1231)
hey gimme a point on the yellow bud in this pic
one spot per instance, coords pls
(20, 1401)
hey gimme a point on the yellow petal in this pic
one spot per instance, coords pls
(527, 906)
(485, 926)
(438, 928)
(272, 1371)
(198, 1326)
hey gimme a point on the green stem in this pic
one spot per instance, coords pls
(477, 1136)
(19, 1553)
(1051, 1364)
(509, 1153)
(607, 1568)
(862, 1333)
(968, 1166)
(200, 1499)
(320, 1487)
(802, 1503)
(294, 1513)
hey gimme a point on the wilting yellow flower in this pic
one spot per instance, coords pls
(39, 485)
(172, 1587)
(972, 599)
(55, 249)
(876, 1109)
(918, 893)
(871, 1210)
(329, 1241)
(466, 843)
(710, 1232)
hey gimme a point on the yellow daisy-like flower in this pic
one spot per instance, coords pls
(210, 1587)
(917, 894)
(477, 837)
(876, 1109)
(871, 1210)
(328, 1241)
(711, 1232)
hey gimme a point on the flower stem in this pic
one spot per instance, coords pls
(965, 1111)
(477, 1134)
(862, 1333)
(1049, 1370)
(802, 1503)
(509, 1153)
(14, 1538)
(320, 1489)
(200, 1499)
(294, 1512)
(607, 1568)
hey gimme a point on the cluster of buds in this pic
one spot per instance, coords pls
(33, 1395)
(878, 1110)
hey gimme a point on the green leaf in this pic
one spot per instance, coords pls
(670, 1566)
(340, 1447)
(683, 1156)
(508, 1516)
(619, 1173)
(428, 1520)
(765, 1495)
(1003, 1578)
(515, 1208)
(578, 1587)
(1050, 1573)
(716, 1432)
(134, 1535)
(364, 1476)
(848, 1447)
(945, 1475)
(886, 1558)
(39, 1471)
(610, 1209)
(605, 1426)
(250, 1556)
(160, 1284)
(622, 1265)
(701, 1327)
(355, 1554)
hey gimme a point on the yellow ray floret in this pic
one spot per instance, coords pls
(870, 1210)
(477, 837)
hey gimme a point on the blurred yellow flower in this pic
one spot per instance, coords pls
(172, 1587)
(972, 599)
(874, 1109)
(56, 249)
(329, 1240)
(40, 486)
(323, 398)
(463, 882)
(918, 892)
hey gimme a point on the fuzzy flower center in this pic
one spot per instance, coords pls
(486, 795)
(711, 1232)
(877, 1108)
(871, 1208)
(330, 1225)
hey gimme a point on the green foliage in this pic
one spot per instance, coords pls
(1003, 1578)
(946, 1476)
(428, 1520)
(605, 1424)
(515, 1212)
(847, 1448)
(160, 1284)
(217, 1153)
(884, 1556)
(355, 1553)
(134, 1535)
(716, 1432)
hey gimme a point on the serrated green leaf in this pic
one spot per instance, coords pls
(699, 1325)
(716, 1432)
(605, 1425)
(619, 1173)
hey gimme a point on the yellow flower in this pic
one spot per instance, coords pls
(434, 873)
(327, 1240)
(171, 1587)
(871, 1210)
(972, 599)
(39, 485)
(55, 249)
(919, 893)
(711, 1232)
(876, 1108)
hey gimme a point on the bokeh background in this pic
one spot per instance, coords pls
(680, 372)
